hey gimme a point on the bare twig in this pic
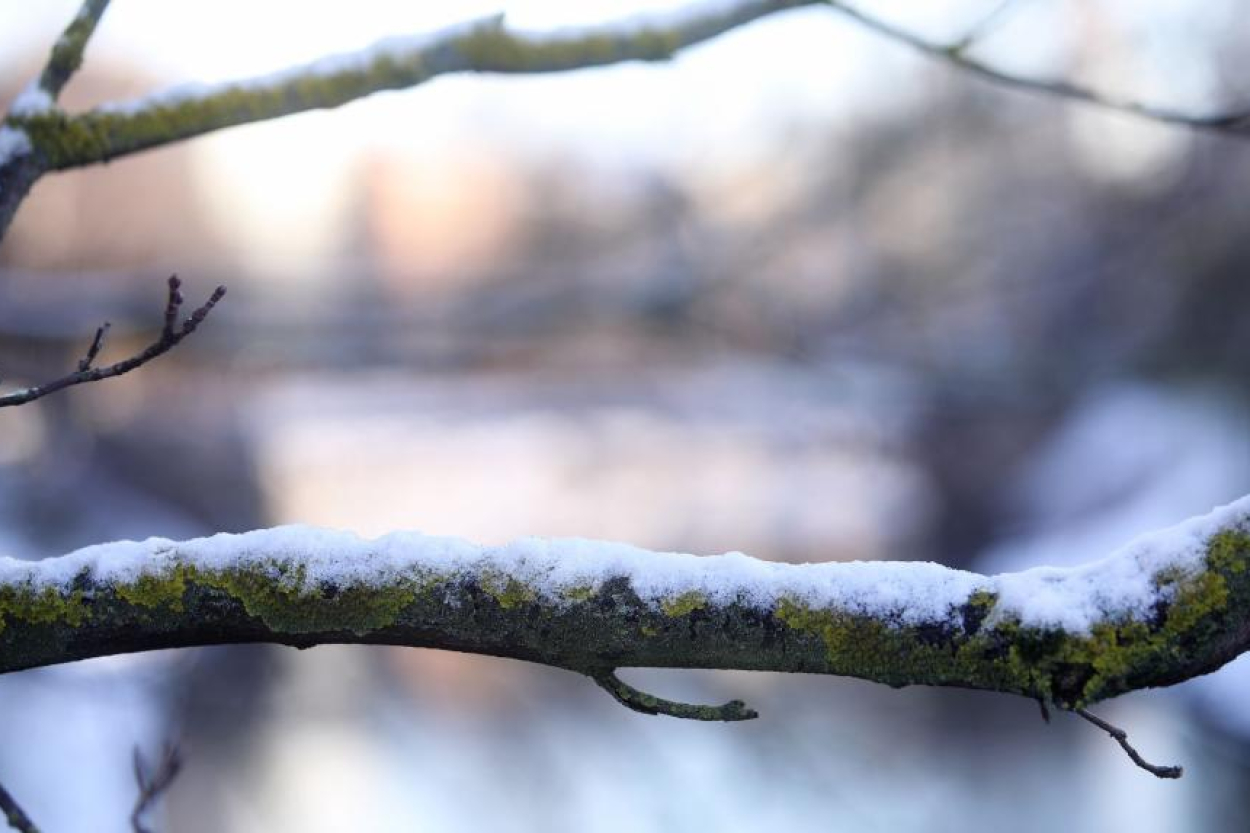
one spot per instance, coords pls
(983, 27)
(1121, 737)
(153, 784)
(33, 138)
(640, 701)
(14, 814)
(1233, 122)
(97, 343)
(172, 333)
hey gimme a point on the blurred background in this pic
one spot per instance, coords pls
(801, 293)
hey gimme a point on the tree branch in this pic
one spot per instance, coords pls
(1234, 122)
(37, 138)
(60, 141)
(640, 701)
(152, 784)
(1121, 737)
(1165, 608)
(68, 50)
(14, 814)
(172, 334)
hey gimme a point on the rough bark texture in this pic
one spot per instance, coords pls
(1198, 624)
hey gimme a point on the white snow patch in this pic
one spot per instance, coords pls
(32, 101)
(13, 143)
(1120, 585)
(900, 592)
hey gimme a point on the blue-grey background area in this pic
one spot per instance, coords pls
(800, 293)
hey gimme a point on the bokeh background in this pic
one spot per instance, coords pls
(800, 293)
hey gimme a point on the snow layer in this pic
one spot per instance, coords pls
(902, 592)
(1120, 585)
(13, 142)
(32, 101)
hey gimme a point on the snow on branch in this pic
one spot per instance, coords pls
(1167, 607)
(172, 334)
(36, 137)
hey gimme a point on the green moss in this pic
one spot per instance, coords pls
(684, 605)
(579, 593)
(65, 141)
(162, 590)
(868, 648)
(278, 594)
(287, 605)
(1002, 654)
(1228, 551)
(67, 53)
(507, 590)
(46, 605)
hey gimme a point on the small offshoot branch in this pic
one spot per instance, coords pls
(172, 334)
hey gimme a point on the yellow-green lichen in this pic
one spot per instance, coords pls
(508, 591)
(491, 47)
(868, 648)
(41, 605)
(1228, 551)
(578, 593)
(165, 589)
(683, 605)
(279, 595)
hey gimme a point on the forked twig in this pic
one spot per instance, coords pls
(152, 784)
(172, 333)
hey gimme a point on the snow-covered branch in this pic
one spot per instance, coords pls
(1165, 608)
(37, 137)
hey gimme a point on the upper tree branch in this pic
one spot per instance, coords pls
(35, 139)
(172, 334)
(67, 52)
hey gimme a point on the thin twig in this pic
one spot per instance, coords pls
(640, 701)
(1121, 737)
(153, 784)
(97, 343)
(172, 333)
(1227, 122)
(14, 814)
(984, 26)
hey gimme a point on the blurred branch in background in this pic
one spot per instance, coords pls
(37, 138)
(14, 814)
(153, 781)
